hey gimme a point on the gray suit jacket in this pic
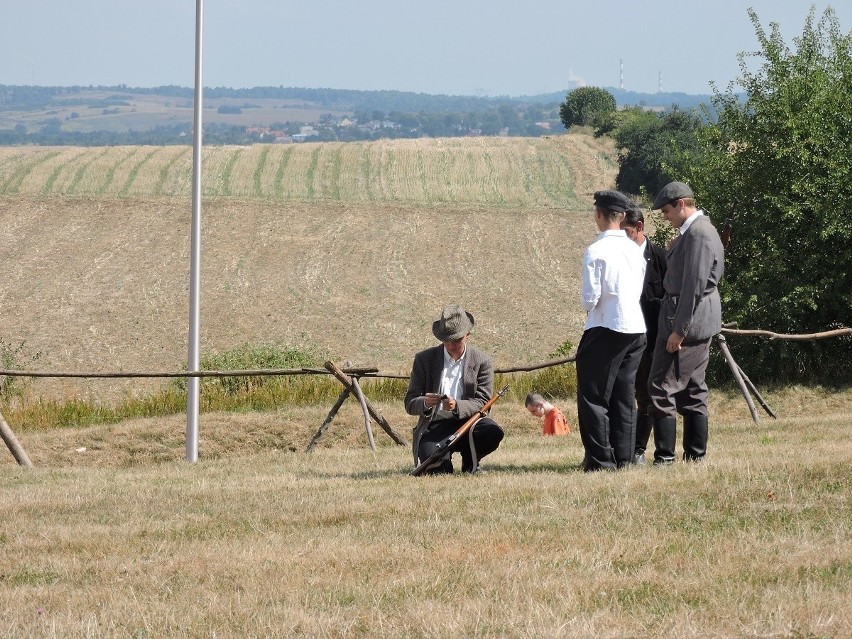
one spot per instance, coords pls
(694, 266)
(477, 387)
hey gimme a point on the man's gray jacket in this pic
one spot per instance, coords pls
(477, 387)
(694, 266)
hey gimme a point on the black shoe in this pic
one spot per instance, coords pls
(444, 468)
(639, 459)
(589, 467)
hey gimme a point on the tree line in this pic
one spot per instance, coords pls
(398, 114)
(521, 120)
(29, 98)
(775, 159)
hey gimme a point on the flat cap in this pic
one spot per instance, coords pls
(671, 191)
(612, 201)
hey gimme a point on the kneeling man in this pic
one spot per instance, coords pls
(449, 383)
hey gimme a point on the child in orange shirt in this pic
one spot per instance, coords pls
(554, 420)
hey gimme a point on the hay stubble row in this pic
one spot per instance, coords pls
(486, 171)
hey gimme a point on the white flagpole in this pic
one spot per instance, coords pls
(192, 385)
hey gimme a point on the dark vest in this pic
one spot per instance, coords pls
(652, 289)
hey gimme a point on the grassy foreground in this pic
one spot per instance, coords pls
(261, 539)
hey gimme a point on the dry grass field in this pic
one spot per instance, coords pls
(113, 535)
(352, 250)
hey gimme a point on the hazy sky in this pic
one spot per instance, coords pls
(457, 47)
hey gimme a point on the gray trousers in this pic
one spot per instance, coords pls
(676, 382)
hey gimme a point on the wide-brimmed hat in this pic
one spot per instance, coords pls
(454, 323)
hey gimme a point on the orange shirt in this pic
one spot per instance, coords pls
(555, 424)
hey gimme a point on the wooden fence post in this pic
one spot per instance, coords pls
(340, 399)
(13, 444)
(344, 379)
(735, 369)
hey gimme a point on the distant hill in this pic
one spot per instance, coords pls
(19, 98)
(624, 98)
(109, 115)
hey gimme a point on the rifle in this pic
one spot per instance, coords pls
(444, 447)
(726, 230)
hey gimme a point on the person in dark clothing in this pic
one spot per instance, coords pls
(650, 302)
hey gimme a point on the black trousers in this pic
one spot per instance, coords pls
(643, 398)
(487, 436)
(606, 408)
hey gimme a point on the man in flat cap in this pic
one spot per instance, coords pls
(449, 383)
(613, 339)
(689, 318)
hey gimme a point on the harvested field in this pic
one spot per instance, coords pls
(352, 249)
(555, 172)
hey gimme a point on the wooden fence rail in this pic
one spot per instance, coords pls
(260, 372)
(349, 376)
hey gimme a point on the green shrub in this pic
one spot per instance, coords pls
(254, 357)
(14, 357)
(777, 160)
(260, 392)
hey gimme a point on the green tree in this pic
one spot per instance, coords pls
(586, 106)
(779, 155)
(648, 142)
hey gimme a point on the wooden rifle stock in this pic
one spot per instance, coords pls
(445, 446)
(725, 236)
(726, 233)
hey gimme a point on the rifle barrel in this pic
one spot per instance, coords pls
(445, 445)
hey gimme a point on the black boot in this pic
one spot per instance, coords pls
(665, 436)
(444, 468)
(694, 436)
(644, 426)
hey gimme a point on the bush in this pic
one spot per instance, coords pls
(253, 357)
(649, 143)
(14, 357)
(780, 160)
